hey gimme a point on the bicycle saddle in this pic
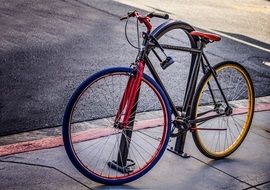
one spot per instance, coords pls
(207, 36)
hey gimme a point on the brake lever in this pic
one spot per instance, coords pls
(124, 18)
(130, 14)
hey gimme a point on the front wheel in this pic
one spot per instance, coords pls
(103, 150)
(218, 137)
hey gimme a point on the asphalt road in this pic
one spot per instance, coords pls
(48, 47)
(244, 19)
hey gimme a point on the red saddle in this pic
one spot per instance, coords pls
(207, 36)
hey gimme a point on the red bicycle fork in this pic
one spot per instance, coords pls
(125, 120)
(129, 97)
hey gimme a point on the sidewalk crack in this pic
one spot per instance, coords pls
(48, 167)
(259, 135)
(254, 186)
(224, 172)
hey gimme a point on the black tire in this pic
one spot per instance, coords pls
(238, 89)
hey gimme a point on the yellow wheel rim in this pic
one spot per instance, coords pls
(237, 139)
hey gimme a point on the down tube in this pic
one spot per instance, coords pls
(158, 80)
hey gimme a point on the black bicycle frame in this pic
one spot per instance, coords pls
(192, 80)
(190, 90)
(121, 163)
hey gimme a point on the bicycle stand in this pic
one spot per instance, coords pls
(125, 165)
(179, 146)
(122, 164)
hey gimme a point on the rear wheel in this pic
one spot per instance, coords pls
(219, 137)
(93, 140)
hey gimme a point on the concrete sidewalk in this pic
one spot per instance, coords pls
(247, 168)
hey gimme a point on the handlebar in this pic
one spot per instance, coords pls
(158, 15)
(145, 19)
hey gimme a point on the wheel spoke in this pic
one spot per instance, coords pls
(236, 88)
(96, 143)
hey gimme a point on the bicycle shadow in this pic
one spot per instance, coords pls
(118, 187)
(224, 163)
(216, 174)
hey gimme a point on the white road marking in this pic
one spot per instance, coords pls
(238, 40)
(267, 63)
(144, 6)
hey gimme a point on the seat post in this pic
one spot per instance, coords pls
(203, 43)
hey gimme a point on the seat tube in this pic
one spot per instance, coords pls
(192, 81)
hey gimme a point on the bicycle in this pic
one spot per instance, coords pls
(118, 122)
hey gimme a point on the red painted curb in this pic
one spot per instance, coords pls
(48, 142)
(52, 142)
(262, 107)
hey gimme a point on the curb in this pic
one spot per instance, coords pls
(56, 141)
